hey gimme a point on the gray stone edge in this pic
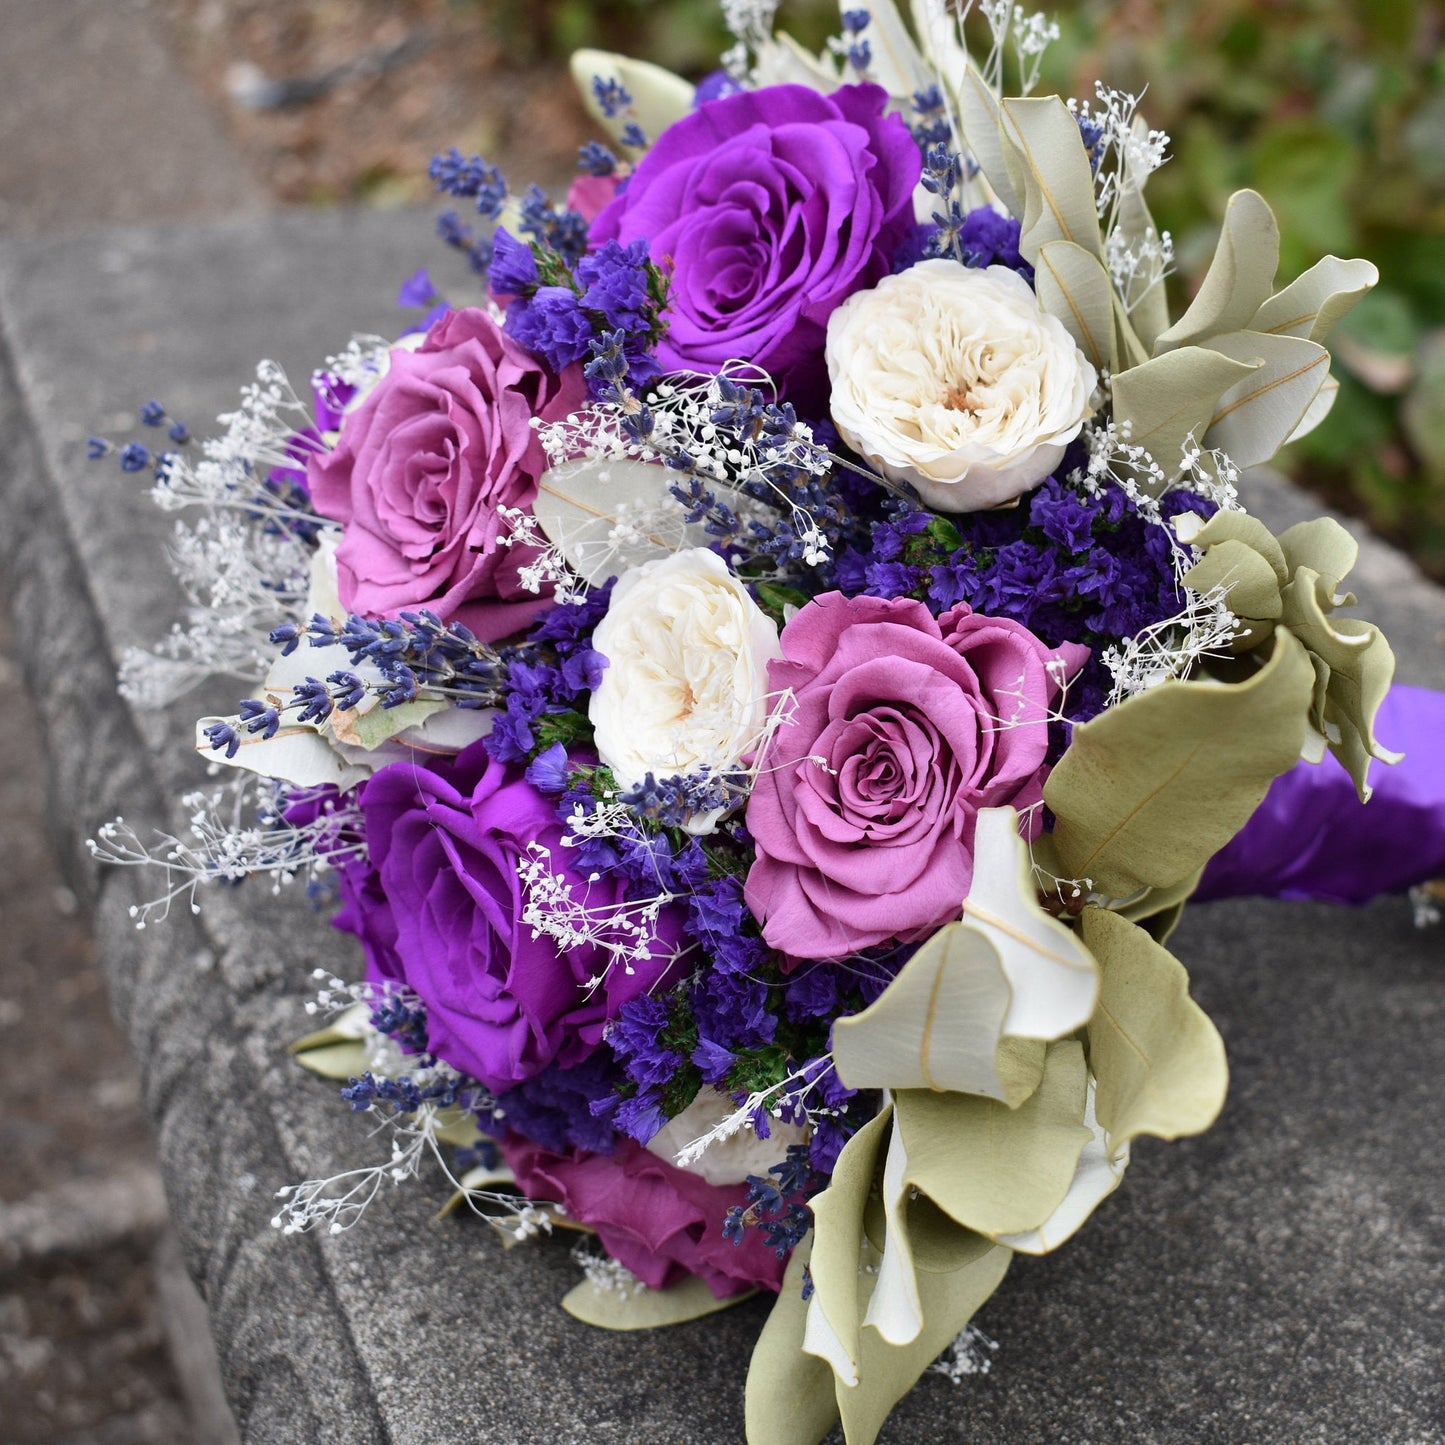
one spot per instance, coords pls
(97, 766)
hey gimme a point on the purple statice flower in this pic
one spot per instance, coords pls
(514, 268)
(989, 239)
(614, 281)
(551, 324)
(555, 1107)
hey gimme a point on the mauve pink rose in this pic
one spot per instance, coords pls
(440, 443)
(902, 728)
(659, 1221)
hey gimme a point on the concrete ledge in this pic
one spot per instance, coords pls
(1274, 1281)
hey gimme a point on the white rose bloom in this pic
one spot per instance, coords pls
(956, 380)
(686, 683)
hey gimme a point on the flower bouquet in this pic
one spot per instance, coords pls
(762, 680)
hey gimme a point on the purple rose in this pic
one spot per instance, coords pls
(424, 463)
(445, 841)
(659, 1221)
(902, 728)
(774, 206)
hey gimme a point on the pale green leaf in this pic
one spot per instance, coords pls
(1096, 1176)
(790, 1396)
(1323, 546)
(937, 1025)
(640, 1308)
(378, 725)
(1058, 181)
(1149, 790)
(1255, 418)
(1361, 667)
(658, 96)
(836, 1310)
(1229, 526)
(458, 1128)
(1051, 976)
(780, 60)
(1158, 1060)
(1311, 305)
(1253, 586)
(1073, 285)
(608, 514)
(480, 1180)
(993, 1169)
(1172, 398)
(1240, 278)
(887, 1373)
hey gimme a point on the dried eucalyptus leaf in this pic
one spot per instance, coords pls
(896, 64)
(790, 1397)
(1073, 285)
(338, 1060)
(835, 1311)
(1058, 181)
(1158, 1060)
(993, 1169)
(1253, 586)
(998, 158)
(1173, 397)
(1314, 303)
(297, 754)
(1240, 278)
(646, 1309)
(1096, 1176)
(1052, 978)
(1151, 789)
(607, 514)
(938, 1025)
(1255, 418)
(888, 1372)
(1148, 315)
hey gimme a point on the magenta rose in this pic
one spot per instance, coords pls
(773, 206)
(902, 728)
(659, 1221)
(422, 466)
(445, 840)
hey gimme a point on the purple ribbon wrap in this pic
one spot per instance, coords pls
(1312, 838)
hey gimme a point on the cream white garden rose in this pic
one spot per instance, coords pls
(956, 380)
(686, 682)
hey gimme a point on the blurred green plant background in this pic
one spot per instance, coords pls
(1333, 109)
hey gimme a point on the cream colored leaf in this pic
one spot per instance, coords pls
(1058, 182)
(1311, 305)
(1053, 981)
(1073, 285)
(1254, 419)
(938, 1025)
(607, 514)
(658, 96)
(993, 1169)
(1240, 278)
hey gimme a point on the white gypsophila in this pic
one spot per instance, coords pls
(686, 683)
(955, 380)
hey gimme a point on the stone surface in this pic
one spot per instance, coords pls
(1275, 1281)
